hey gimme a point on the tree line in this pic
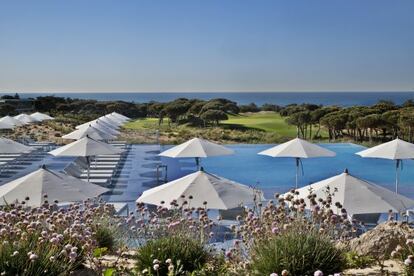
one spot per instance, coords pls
(180, 111)
(381, 121)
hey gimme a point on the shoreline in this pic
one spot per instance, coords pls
(278, 97)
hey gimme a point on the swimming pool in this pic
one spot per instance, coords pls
(278, 174)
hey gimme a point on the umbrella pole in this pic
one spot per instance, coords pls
(297, 172)
(197, 160)
(88, 163)
(397, 175)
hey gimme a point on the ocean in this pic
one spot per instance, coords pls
(259, 98)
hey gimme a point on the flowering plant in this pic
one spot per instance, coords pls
(48, 240)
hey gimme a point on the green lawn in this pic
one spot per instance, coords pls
(269, 122)
(267, 127)
(145, 123)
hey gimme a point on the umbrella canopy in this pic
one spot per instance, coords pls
(11, 121)
(57, 186)
(4, 125)
(196, 148)
(90, 131)
(113, 123)
(120, 116)
(115, 118)
(8, 146)
(356, 195)
(297, 148)
(102, 126)
(218, 192)
(86, 124)
(41, 116)
(85, 147)
(26, 119)
(396, 149)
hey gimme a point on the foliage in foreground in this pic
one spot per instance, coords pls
(283, 236)
(172, 253)
(300, 251)
(353, 260)
(267, 239)
(105, 237)
(47, 240)
(405, 253)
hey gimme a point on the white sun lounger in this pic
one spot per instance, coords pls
(114, 159)
(7, 159)
(82, 163)
(10, 155)
(104, 166)
(95, 175)
(101, 181)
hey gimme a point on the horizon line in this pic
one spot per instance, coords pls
(201, 92)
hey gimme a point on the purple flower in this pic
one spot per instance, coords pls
(33, 257)
(318, 273)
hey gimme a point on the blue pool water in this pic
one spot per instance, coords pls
(278, 174)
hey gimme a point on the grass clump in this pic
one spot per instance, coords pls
(299, 251)
(177, 253)
(105, 237)
(354, 260)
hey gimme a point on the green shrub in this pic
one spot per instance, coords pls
(301, 252)
(353, 260)
(105, 237)
(16, 257)
(186, 255)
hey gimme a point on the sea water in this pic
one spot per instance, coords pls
(279, 98)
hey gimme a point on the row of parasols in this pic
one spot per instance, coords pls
(202, 189)
(9, 122)
(104, 128)
(356, 195)
(32, 188)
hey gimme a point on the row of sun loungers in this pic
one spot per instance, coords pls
(43, 146)
(13, 164)
(102, 168)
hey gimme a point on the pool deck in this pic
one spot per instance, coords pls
(138, 174)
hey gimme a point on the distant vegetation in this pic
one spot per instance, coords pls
(222, 119)
(264, 121)
(382, 121)
(263, 127)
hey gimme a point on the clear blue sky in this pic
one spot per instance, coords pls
(206, 45)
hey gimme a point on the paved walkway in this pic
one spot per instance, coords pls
(139, 173)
